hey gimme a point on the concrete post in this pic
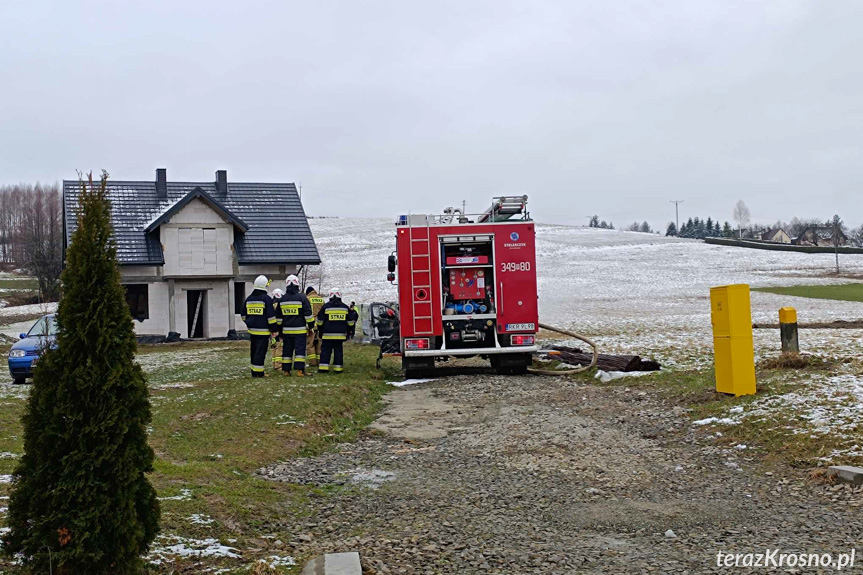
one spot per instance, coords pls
(172, 307)
(231, 317)
(788, 330)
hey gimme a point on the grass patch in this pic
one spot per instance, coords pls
(844, 292)
(19, 284)
(214, 426)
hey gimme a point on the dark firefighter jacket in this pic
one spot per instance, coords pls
(258, 313)
(334, 319)
(296, 314)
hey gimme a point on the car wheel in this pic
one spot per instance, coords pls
(19, 381)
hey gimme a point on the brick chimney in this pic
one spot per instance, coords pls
(222, 182)
(162, 183)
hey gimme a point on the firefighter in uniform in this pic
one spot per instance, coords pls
(334, 320)
(297, 321)
(274, 340)
(260, 320)
(313, 342)
(353, 328)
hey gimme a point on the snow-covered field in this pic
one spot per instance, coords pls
(631, 291)
(647, 294)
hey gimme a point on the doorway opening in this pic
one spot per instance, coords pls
(196, 312)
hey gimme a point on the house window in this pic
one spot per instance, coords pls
(137, 300)
(239, 297)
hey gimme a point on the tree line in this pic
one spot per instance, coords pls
(31, 233)
(700, 229)
(596, 223)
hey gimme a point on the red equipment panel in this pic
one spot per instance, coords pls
(467, 283)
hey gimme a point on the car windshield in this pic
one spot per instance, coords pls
(45, 326)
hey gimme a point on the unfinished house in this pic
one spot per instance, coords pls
(189, 251)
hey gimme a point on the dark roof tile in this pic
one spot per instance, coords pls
(278, 231)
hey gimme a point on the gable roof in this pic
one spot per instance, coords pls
(773, 233)
(196, 194)
(272, 225)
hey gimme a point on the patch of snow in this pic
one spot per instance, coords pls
(187, 547)
(274, 561)
(722, 421)
(738, 409)
(35, 308)
(185, 495)
(606, 376)
(741, 446)
(198, 519)
(5, 479)
(408, 382)
(8, 455)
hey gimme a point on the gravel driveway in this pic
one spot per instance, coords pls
(519, 475)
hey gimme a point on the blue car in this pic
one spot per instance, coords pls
(25, 353)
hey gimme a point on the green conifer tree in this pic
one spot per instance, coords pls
(82, 503)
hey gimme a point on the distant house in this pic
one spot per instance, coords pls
(777, 235)
(189, 251)
(820, 236)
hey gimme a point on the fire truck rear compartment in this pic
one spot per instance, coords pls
(467, 278)
(459, 276)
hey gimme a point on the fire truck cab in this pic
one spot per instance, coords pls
(467, 286)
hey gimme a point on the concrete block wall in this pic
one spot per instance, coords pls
(157, 303)
(218, 306)
(197, 241)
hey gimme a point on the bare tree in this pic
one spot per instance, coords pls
(741, 216)
(856, 236)
(42, 239)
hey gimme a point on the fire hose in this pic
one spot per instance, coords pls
(579, 369)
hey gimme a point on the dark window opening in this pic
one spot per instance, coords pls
(196, 312)
(239, 297)
(137, 300)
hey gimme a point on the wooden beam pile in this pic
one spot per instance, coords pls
(605, 362)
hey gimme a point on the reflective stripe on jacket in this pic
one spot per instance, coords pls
(334, 319)
(258, 313)
(296, 314)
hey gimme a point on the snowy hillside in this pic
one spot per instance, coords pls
(650, 289)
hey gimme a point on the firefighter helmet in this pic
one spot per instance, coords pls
(292, 280)
(278, 293)
(261, 282)
(335, 293)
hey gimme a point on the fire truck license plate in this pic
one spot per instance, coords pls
(520, 327)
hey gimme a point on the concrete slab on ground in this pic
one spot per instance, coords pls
(334, 564)
(847, 473)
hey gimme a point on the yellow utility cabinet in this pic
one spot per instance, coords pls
(734, 351)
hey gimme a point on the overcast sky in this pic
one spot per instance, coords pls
(380, 108)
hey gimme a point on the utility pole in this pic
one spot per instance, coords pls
(463, 206)
(836, 230)
(677, 214)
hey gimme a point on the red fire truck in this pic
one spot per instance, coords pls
(467, 286)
